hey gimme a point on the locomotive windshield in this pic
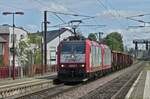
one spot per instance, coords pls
(73, 47)
(72, 52)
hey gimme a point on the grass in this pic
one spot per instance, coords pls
(148, 67)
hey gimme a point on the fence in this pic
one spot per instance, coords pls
(39, 69)
(6, 72)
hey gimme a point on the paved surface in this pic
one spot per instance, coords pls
(147, 86)
(22, 80)
(141, 87)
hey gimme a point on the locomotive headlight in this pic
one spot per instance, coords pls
(82, 65)
(62, 65)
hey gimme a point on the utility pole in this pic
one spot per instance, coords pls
(45, 43)
(99, 35)
(42, 48)
(14, 38)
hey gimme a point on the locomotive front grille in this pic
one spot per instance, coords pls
(71, 72)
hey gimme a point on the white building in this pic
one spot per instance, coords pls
(53, 39)
(18, 33)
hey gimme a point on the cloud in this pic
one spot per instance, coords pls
(51, 6)
(33, 5)
(139, 30)
(47, 5)
(31, 27)
(9, 7)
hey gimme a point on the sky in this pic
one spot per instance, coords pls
(111, 13)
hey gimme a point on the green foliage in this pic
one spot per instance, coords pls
(22, 51)
(22, 45)
(92, 37)
(37, 56)
(131, 51)
(114, 41)
(1, 60)
(27, 55)
(36, 39)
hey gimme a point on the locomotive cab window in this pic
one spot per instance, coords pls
(73, 47)
(73, 52)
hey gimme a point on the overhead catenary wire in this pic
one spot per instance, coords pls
(86, 17)
(92, 17)
(119, 15)
(80, 15)
(56, 13)
(84, 25)
(63, 13)
(128, 18)
(59, 18)
(141, 21)
(137, 26)
(105, 7)
(139, 15)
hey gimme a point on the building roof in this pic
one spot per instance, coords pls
(55, 33)
(4, 29)
(2, 40)
(52, 34)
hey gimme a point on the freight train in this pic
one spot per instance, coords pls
(80, 60)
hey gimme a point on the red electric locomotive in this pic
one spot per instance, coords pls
(79, 60)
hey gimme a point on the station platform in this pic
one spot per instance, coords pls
(4, 82)
(141, 87)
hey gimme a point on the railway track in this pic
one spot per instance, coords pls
(22, 87)
(117, 88)
(49, 93)
(86, 90)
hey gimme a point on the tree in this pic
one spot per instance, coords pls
(114, 41)
(131, 51)
(37, 56)
(22, 51)
(92, 37)
(36, 39)
(27, 54)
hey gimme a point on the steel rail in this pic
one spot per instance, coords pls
(124, 89)
(13, 90)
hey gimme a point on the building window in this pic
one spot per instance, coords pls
(52, 55)
(1, 48)
(21, 36)
(1, 53)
